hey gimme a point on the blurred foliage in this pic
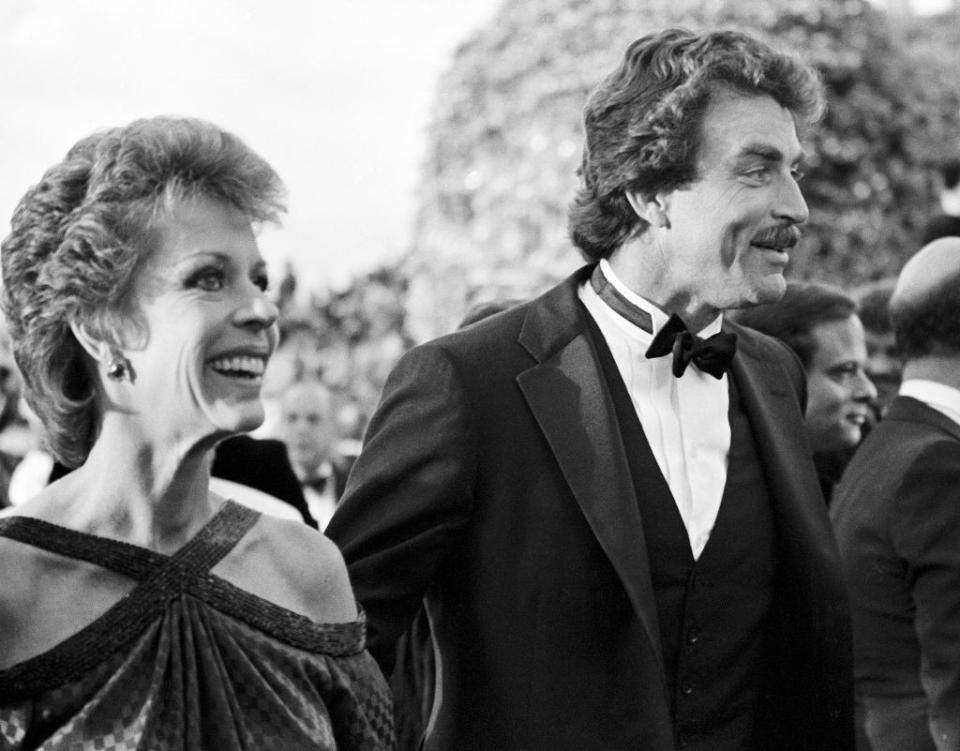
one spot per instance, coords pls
(505, 143)
(506, 138)
(349, 339)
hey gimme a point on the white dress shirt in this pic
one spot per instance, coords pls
(321, 504)
(935, 395)
(685, 419)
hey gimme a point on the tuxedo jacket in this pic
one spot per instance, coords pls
(494, 485)
(897, 516)
(261, 463)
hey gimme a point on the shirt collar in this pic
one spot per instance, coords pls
(658, 317)
(938, 396)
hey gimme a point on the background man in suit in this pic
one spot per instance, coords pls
(820, 323)
(945, 223)
(618, 551)
(897, 518)
(309, 428)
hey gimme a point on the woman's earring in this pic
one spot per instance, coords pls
(116, 370)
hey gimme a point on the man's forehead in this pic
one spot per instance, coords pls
(742, 125)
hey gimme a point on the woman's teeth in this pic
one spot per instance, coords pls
(243, 367)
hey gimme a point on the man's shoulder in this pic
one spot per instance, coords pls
(757, 339)
(766, 348)
(905, 438)
(556, 309)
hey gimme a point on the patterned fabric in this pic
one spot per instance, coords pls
(188, 661)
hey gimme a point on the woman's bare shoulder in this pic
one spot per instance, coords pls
(294, 566)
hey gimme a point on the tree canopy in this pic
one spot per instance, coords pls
(506, 138)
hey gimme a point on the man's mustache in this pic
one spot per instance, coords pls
(779, 238)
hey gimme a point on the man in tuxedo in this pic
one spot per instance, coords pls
(897, 519)
(309, 429)
(614, 524)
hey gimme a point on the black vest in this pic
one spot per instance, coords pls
(712, 612)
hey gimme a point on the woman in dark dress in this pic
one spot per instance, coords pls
(138, 610)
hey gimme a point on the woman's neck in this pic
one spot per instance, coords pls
(148, 492)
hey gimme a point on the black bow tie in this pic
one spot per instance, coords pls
(317, 483)
(711, 355)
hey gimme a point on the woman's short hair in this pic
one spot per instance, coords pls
(78, 236)
(792, 319)
(643, 122)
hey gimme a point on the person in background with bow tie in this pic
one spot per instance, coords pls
(820, 323)
(605, 496)
(309, 430)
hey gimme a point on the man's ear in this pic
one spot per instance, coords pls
(95, 346)
(652, 209)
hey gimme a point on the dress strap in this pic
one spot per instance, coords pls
(201, 553)
(130, 560)
(161, 578)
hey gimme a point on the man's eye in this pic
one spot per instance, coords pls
(758, 174)
(798, 174)
(262, 282)
(844, 371)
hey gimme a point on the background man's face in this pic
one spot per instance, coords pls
(730, 231)
(883, 365)
(839, 392)
(307, 426)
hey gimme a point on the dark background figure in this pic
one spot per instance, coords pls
(946, 222)
(10, 420)
(261, 463)
(819, 323)
(884, 366)
(897, 518)
(619, 550)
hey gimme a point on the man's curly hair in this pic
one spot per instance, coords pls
(77, 240)
(643, 122)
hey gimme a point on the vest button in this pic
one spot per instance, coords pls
(686, 689)
(693, 636)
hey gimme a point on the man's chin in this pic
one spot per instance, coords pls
(771, 289)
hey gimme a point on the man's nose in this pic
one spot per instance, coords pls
(863, 388)
(791, 204)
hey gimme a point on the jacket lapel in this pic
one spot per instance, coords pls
(769, 401)
(567, 394)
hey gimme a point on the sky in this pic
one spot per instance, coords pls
(335, 94)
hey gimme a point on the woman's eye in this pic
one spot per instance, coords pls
(208, 280)
(798, 174)
(262, 282)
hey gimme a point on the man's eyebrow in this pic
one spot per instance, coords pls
(767, 152)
